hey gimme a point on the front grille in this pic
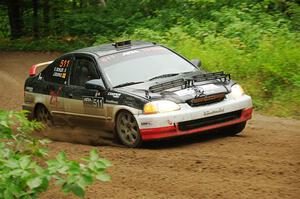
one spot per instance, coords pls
(193, 124)
(206, 99)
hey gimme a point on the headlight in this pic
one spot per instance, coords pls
(160, 106)
(237, 91)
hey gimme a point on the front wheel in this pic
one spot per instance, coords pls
(235, 129)
(127, 129)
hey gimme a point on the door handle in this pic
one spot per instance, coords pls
(70, 95)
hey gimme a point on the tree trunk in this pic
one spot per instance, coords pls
(35, 27)
(46, 17)
(15, 16)
(83, 3)
(74, 4)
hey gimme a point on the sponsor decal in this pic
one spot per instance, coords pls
(111, 101)
(61, 75)
(54, 96)
(107, 58)
(92, 102)
(204, 99)
(130, 52)
(170, 122)
(210, 112)
(146, 123)
(29, 89)
(61, 69)
(114, 95)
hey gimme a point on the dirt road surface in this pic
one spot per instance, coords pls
(262, 162)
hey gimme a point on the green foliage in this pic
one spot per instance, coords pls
(24, 170)
(4, 27)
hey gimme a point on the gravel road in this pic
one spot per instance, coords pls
(262, 162)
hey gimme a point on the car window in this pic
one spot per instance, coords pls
(144, 63)
(58, 71)
(83, 70)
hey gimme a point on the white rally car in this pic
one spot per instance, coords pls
(138, 91)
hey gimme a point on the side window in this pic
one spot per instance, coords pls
(83, 70)
(58, 71)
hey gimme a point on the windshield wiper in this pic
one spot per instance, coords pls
(163, 76)
(127, 84)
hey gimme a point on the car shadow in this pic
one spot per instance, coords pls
(98, 138)
(186, 140)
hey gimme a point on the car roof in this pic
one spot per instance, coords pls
(106, 49)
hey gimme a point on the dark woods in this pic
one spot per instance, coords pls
(41, 12)
(40, 18)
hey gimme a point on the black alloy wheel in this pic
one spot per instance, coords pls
(128, 130)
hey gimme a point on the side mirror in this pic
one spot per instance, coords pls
(95, 84)
(196, 62)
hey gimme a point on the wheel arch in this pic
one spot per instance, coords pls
(119, 109)
(39, 104)
(116, 114)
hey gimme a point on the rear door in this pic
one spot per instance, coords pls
(84, 106)
(54, 80)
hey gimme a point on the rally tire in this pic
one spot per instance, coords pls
(128, 130)
(43, 115)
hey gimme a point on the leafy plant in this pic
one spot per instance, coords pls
(24, 170)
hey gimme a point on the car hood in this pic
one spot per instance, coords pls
(177, 94)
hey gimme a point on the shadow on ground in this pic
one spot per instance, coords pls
(99, 138)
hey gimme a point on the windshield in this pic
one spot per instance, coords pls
(143, 64)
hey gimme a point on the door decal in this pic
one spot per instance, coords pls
(92, 102)
(53, 96)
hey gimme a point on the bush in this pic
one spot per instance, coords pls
(24, 170)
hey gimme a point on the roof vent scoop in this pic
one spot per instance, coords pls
(122, 44)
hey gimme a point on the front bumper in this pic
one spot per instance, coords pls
(165, 125)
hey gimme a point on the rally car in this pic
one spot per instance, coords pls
(135, 90)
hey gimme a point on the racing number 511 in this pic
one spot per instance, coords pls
(97, 102)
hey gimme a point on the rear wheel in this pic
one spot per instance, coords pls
(235, 129)
(128, 130)
(43, 115)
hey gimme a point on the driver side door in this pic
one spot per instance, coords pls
(84, 106)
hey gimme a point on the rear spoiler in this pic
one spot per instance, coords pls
(33, 69)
